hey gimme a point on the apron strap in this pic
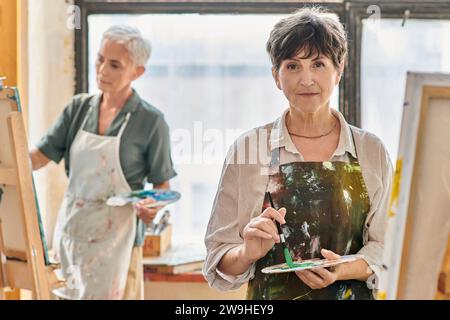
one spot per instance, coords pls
(86, 118)
(274, 165)
(124, 124)
(122, 128)
(354, 145)
(275, 156)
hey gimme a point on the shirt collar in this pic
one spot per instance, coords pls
(130, 106)
(132, 103)
(279, 136)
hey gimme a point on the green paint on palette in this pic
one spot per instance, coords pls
(288, 258)
(296, 265)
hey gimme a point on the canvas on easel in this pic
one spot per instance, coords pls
(23, 254)
(416, 255)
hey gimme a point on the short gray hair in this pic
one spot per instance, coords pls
(314, 29)
(138, 47)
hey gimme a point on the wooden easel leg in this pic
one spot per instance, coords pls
(14, 294)
(443, 292)
(2, 283)
(2, 271)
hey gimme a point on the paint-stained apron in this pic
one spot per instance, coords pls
(327, 204)
(94, 241)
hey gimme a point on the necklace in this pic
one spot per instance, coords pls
(315, 137)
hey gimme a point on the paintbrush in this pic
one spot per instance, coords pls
(287, 255)
(162, 223)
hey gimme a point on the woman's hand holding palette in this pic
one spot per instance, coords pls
(310, 264)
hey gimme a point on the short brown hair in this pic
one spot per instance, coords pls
(312, 29)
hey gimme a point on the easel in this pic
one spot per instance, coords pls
(443, 292)
(416, 256)
(22, 253)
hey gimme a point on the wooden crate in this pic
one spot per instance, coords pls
(155, 246)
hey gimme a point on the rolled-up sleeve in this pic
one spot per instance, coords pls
(159, 158)
(375, 226)
(54, 143)
(223, 233)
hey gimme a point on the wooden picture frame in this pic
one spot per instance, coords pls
(415, 247)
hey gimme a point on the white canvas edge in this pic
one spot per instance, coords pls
(394, 238)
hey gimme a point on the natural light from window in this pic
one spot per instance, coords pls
(211, 77)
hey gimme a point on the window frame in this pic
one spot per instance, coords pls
(88, 7)
(356, 11)
(351, 14)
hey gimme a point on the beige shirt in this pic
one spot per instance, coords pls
(244, 180)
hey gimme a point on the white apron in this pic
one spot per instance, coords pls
(92, 240)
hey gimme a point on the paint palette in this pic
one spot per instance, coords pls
(310, 264)
(161, 196)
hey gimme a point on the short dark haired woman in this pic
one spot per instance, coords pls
(329, 180)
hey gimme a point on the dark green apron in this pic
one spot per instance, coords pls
(327, 204)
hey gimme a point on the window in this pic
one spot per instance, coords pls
(211, 77)
(388, 48)
(209, 65)
(209, 74)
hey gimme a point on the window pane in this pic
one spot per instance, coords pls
(388, 52)
(211, 77)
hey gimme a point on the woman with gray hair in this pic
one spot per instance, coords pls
(112, 142)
